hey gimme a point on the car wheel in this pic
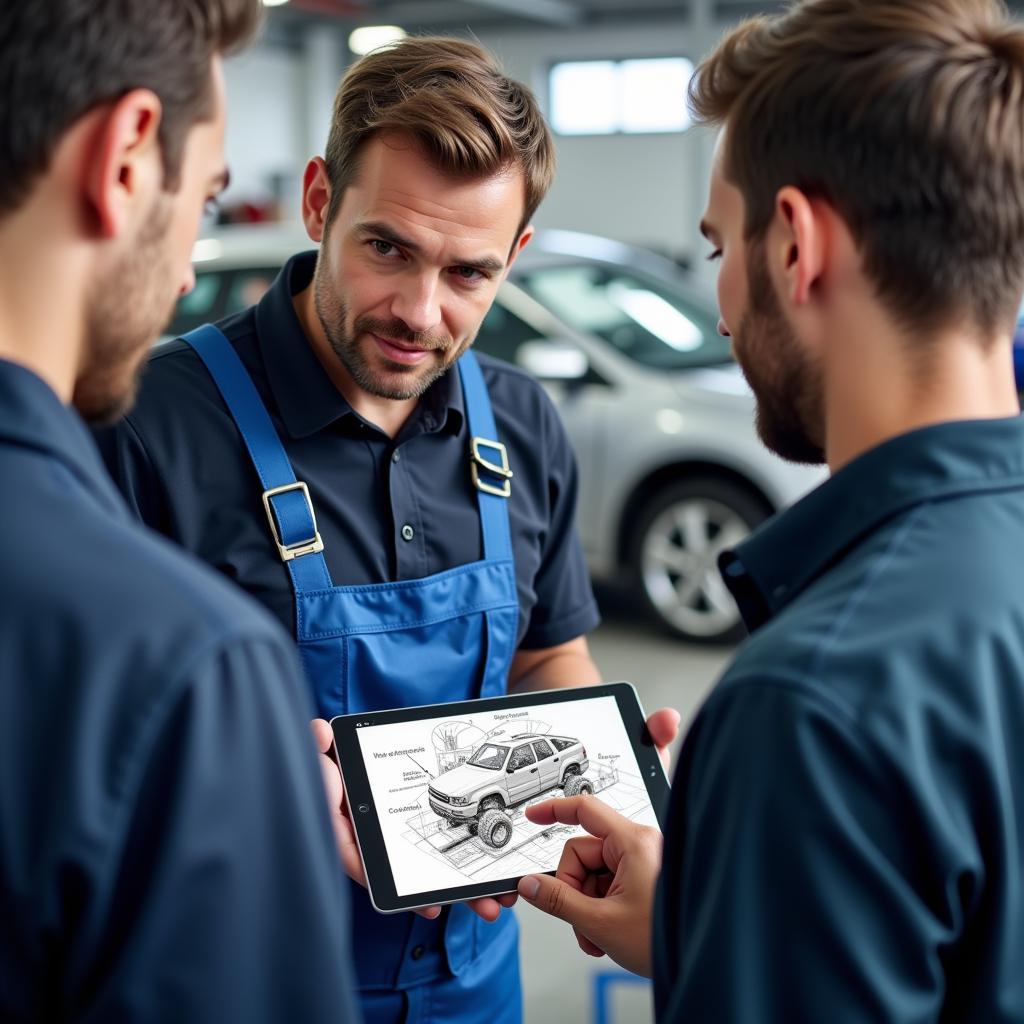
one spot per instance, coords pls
(495, 828)
(676, 543)
(570, 772)
(577, 784)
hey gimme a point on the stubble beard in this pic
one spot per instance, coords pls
(128, 306)
(398, 381)
(787, 385)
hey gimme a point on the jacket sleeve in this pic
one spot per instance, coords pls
(793, 886)
(227, 900)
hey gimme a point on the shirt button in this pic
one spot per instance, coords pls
(396, 455)
(418, 951)
(408, 532)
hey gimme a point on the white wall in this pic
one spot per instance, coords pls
(646, 189)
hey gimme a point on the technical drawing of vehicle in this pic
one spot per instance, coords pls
(501, 775)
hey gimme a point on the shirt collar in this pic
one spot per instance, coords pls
(781, 559)
(307, 399)
(32, 416)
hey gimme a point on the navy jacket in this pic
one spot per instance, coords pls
(847, 827)
(165, 849)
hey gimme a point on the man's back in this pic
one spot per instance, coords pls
(852, 787)
(166, 852)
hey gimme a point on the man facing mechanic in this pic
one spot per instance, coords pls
(846, 837)
(406, 509)
(165, 851)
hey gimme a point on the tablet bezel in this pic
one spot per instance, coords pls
(359, 797)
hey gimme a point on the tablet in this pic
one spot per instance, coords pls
(437, 793)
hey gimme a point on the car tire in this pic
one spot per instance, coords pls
(490, 803)
(495, 828)
(577, 785)
(570, 772)
(674, 552)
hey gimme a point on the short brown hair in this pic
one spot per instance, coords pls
(909, 119)
(59, 59)
(454, 99)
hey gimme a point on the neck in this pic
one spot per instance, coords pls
(880, 384)
(389, 414)
(41, 295)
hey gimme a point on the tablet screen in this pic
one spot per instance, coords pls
(449, 791)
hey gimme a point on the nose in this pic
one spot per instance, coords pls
(722, 329)
(188, 282)
(416, 303)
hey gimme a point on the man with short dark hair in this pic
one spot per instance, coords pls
(166, 852)
(442, 562)
(846, 837)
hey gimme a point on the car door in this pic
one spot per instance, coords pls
(523, 774)
(547, 761)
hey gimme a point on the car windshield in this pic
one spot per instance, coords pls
(644, 319)
(490, 755)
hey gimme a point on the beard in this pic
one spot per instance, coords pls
(388, 379)
(129, 303)
(786, 383)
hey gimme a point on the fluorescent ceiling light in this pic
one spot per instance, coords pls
(274, 3)
(372, 37)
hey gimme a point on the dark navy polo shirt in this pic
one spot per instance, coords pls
(846, 840)
(165, 849)
(386, 509)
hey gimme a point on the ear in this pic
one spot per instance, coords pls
(125, 167)
(316, 198)
(799, 244)
(519, 245)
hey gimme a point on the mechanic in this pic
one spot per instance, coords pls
(846, 836)
(406, 509)
(166, 849)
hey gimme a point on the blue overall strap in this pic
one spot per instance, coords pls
(285, 499)
(493, 509)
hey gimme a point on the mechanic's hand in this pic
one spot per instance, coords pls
(345, 836)
(604, 885)
(663, 726)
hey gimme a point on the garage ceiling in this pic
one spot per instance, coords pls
(455, 15)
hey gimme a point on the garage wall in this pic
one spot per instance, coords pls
(647, 189)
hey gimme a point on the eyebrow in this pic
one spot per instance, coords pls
(485, 264)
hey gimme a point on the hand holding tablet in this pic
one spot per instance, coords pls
(438, 794)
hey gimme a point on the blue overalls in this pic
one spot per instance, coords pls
(447, 637)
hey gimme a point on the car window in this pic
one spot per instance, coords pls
(200, 306)
(521, 757)
(247, 288)
(543, 749)
(502, 332)
(490, 755)
(644, 319)
(561, 744)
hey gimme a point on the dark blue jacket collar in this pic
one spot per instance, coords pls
(781, 559)
(32, 416)
(307, 400)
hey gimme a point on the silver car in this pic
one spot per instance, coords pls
(661, 419)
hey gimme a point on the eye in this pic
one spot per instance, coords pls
(382, 248)
(469, 274)
(716, 255)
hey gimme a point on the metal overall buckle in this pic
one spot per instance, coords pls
(308, 546)
(478, 462)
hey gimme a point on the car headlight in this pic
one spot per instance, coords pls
(459, 800)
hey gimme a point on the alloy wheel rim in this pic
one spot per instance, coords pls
(679, 565)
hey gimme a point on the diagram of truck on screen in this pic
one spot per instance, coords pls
(501, 775)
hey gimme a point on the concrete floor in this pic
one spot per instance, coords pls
(560, 982)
